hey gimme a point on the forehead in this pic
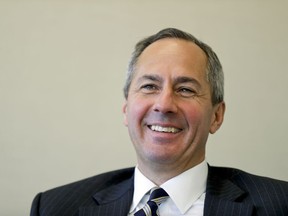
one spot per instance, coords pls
(172, 56)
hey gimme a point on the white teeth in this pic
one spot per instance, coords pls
(164, 129)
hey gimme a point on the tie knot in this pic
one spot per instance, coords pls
(158, 195)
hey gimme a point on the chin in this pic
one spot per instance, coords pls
(161, 157)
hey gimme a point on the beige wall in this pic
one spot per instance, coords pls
(62, 66)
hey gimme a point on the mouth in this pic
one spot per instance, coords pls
(162, 129)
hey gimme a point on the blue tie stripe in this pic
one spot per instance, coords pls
(157, 196)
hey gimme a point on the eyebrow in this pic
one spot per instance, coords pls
(177, 80)
(153, 77)
(185, 79)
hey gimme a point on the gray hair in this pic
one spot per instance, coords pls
(214, 72)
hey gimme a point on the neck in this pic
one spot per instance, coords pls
(160, 173)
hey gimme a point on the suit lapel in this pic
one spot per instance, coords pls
(223, 197)
(112, 201)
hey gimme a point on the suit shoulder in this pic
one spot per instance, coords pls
(71, 196)
(267, 189)
(99, 181)
(267, 196)
(241, 176)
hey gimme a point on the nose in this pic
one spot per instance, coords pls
(165, 102)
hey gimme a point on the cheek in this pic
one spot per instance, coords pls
(197, 117)
(135, 112)
(193, 115)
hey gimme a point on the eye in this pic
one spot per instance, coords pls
(149, 88)
(186, 92)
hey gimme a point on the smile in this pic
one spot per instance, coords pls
(164, 129)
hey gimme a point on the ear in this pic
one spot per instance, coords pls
(124, 110)
(218, 117)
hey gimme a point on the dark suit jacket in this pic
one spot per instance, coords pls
(229, 192)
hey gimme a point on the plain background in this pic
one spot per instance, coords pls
(62, 69)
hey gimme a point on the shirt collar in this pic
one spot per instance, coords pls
(183, 189)
(187, 187)
(142, 186)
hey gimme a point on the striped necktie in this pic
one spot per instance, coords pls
(157, 196)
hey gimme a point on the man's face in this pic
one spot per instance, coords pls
(168, 111)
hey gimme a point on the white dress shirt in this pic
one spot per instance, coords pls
(186, 192)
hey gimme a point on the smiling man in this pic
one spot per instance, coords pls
(169, 110)
(174, 100)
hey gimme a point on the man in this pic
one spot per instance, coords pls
(174, 99)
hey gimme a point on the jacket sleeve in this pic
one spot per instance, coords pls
(36, 205)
